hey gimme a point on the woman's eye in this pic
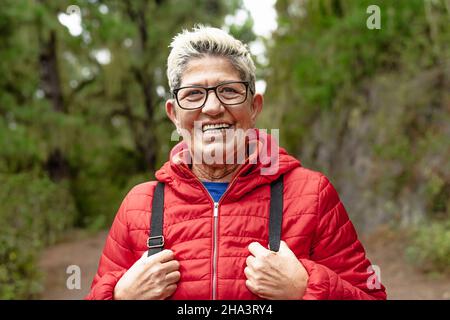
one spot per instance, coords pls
(228, 90)
(194, 92)
(191, 94)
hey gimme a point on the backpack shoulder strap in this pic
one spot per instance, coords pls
(155, 242)
(276, 213)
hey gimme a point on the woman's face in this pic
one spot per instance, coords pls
(193, 124)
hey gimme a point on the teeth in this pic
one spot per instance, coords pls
(215, 126)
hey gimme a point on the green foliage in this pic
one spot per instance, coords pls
(430, 248)
(20, 151)
(368, 107)
(34, 213)
(331, 50)
(19, 277)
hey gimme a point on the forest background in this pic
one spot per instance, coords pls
(82, 91)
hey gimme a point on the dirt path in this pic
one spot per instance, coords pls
(383, 248)
(83, 251)
(401, 278)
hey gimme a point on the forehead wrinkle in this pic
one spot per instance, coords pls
(207, 72)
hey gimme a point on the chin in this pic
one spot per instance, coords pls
(215, 153)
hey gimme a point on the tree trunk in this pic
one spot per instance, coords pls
(144, 137)
(50, 80)
(57, 165)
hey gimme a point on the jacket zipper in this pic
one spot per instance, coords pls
(216, 225)
(216, 222)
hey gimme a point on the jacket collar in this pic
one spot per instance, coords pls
(266, 162)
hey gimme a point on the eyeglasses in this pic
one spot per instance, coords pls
(229, 93)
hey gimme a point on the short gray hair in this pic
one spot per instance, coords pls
(202, 41)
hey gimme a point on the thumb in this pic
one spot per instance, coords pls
(143, 259)
(257, 249)
(284, 249)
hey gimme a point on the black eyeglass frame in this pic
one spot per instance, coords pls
(214, 88)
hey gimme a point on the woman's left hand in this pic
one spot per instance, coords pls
(275, 275)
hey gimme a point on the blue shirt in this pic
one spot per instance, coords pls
(215, 189)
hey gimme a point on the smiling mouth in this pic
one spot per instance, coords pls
(216, 128)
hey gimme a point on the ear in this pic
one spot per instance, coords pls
(171, 111)
(257, 105)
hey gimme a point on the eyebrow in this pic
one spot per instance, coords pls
(197, 84)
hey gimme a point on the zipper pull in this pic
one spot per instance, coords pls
(216, 209)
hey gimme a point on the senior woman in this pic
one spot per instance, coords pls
(216, 197)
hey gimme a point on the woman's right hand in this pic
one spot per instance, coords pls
(149, 278)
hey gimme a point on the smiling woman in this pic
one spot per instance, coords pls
(230, 229)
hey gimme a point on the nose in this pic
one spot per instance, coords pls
(212, 106)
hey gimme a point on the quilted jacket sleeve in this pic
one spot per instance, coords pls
(115, 260)
(338, 267)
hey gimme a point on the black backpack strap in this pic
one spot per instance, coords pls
(155, 242)
(276, 213)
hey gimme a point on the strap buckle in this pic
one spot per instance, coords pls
(158, 245)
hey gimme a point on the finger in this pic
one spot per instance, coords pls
(286, 251)
(173, 277)
(249, 273)
(144, 256)
(257, 249)
(163, 256)
(144, 259)
(257, 290)
(284, 246)
(249, 284)
(172, 265)
(170, 289)
(250, 261)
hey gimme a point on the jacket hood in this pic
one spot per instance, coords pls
(265, 163)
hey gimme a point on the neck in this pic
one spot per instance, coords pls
(222, 173)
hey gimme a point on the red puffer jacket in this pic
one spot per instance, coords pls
(315, 226)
